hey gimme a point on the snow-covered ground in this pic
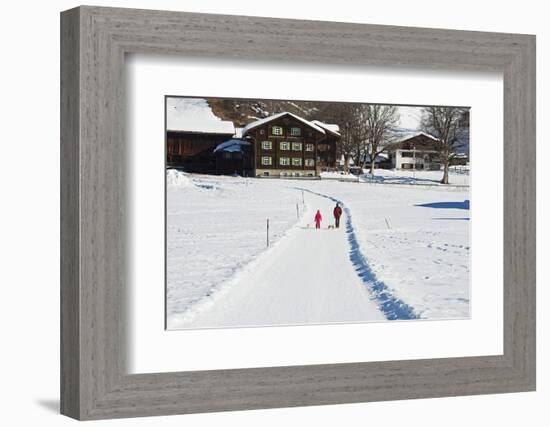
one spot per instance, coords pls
(457, 176)
(339, 176)
(426, 177)
(402, 252)
(416, 240)
(215, 227)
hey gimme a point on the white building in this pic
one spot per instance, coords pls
(416, 151)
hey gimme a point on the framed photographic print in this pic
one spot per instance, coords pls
(292, 213)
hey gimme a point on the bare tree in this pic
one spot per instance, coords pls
(444, 123)
(380, 123)
(359, 135)
(345, 115)
(364, 129)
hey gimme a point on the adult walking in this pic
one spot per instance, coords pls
(318, 219)
(337, 214)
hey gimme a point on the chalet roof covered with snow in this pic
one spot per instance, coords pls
(195, 115)
(335, 129)
(265, 120)
(407, 140)
(413, 134)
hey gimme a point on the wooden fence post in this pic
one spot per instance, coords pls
(267, 233)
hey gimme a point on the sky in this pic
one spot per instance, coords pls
(410, 117)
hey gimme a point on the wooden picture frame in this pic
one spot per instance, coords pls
(94, 382)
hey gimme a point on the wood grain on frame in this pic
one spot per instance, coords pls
(94, 232)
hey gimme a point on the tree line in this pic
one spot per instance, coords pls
(369, 129)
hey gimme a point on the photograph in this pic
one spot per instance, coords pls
(292, 212)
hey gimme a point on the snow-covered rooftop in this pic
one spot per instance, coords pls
(232, 146)
(404, 135)
(194, 115)
(238, 132)
(328, 126)
(260, 122)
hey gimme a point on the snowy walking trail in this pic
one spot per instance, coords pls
(308, 277)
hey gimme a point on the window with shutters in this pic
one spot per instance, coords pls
(277, 130)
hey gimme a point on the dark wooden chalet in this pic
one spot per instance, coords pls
(288, 145)
(194, 152)
(190, 145)
(328, 150)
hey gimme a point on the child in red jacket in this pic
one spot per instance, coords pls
(318, 219)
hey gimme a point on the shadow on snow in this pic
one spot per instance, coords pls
(446, 205)
(398, 179)
(451, 219)
(392, 307)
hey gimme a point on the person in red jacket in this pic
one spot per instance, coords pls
(337, 214)
(318, 219)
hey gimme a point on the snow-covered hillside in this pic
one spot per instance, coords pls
(402, 252)
(194, 115)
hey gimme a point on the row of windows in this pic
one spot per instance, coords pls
(279, 131)
(285, 146)
(266, 173)
(418, 155)
(286, 161)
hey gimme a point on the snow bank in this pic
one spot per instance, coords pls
(177, 179)
(339, 176)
